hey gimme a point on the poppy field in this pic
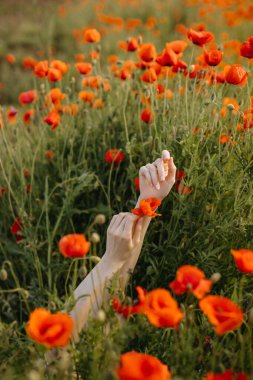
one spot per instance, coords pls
(90, 91)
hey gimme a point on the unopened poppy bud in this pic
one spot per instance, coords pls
(42, 88)
(191, 68)
(220, 47)
(230, 107)
(26, 294)
(95, 238)
(128, 39)
(101, 316)
(83, 271)
(3, 275)
(140, 40)
(73, 80)
(215, 277)
(94, 259)
(100, 219)
(250, 316)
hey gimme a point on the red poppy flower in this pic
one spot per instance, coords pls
(236, 74)
(146, 116)
(74, 245)
(213, 57)
(53, 119)
(147, 207)
(227, 375)
(222, 313)
(147, 52)
(243, 259)
(84, 68)
(114, 156)
(200, 38)
(28, 97)
(91, 36)
(149, 76)
(246, 49)
(191, 279)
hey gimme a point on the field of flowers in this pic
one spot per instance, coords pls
(89, 92)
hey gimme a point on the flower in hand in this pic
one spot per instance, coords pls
(147, 207)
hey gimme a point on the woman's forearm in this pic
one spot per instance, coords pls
(91, 292)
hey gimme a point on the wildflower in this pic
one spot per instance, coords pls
(222, 313)
(149, 76)
(146, 116)
(138, 366)
(91, 36)
(50, 330)
(114, 156)
(28, 97)
(177, 46)
(84, 68)
(191, 279)
(167, 58)
(147, 207)
(41, 69)
(236, 74)
(54, 75)
(53, 119)
(74, 245)
(200, 38)
(227, 375)
(213, 57)
(55, 96)
(28, 115)
(246, 49)
(29, 63)
(87, 96)
(147, 52)
(11, 114)
(16, 229)
(10, 58)
(243, 259)
(59, 65)
(49, 154)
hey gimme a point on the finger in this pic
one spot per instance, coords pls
(154, 175)
(117, 221)
(144, 172)
(130, 219)
(165, 155)
(172, 170)
(119, 227)
(160, 168)
(138, 230)
(112, 221)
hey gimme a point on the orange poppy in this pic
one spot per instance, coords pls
(28, 97)
(149, 76)
(49, 154)
(53, 119)
(59, 65)
(222, 313)
(138, 366)
(91, 36)
(243, 259)
(10, 58)
(71, 109)
(200, 38)
(177, 46)
(213, 57)
(147, 52)
(167, 58)
(87, 96)
(11, 115)
(54, 75)
(236, 74)
(29, 63)
(41, 69)
(84, 68)
(147, 207)
(74, 245)
(191, 279)
(50, 330)
(55, 96)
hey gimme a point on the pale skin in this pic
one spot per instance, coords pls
(125, 236)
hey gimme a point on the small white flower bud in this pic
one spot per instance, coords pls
(95, 238)
(100, 219)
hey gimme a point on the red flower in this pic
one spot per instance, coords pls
(146, 116)
(246, 49)
(243, 259)
(74, 245)
(147, 52)
(114, 156)
(213, 57)
(28, 97)
(222, 313)
(16, 229)
(227, 375)
(200, 38)
(91, 36)
(137, 183)
(149, 76)
(191, 279)
(41, 69)
(147, 207)
(236, 75)
(84, 68)
(53, 119)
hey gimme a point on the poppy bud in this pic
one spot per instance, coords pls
(230, 107)
(101, 316)
(215, 277)
(95, 259)
(100, 219)
(95, 238)
(3, 275)
(83, 272)
(25, 293)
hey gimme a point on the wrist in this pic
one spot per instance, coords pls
(111, 263)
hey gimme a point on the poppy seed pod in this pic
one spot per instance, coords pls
(95, 238)
(100, 219)
(3, 275)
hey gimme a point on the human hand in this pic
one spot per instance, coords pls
(157, 179)
(123, 236)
